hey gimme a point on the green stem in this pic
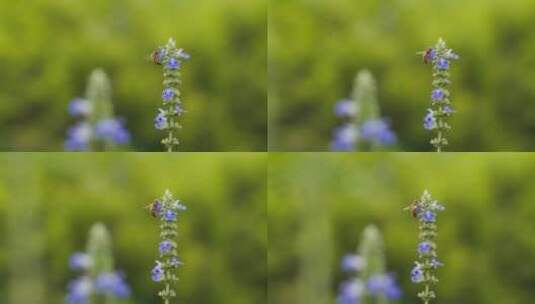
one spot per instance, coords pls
(167, 292)
(439, 143)
(170, 140)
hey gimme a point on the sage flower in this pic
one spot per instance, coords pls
(368, 281)
(166, 210)
(157, 272)
(170, 58)
(362, 128)
(97, 278)
(352, 262)
(378, 131)
(430, 122)
(80, 261)
(345, 138)
(79, 137)
(112, 129)
(96, 128)
(436, 119)
(424, 271)
(79, 290)
(384, 284)
(112, 283)
(80, 107)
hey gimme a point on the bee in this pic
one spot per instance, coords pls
(155, 208)
(158, 55)
(415, 208)
(429, 55)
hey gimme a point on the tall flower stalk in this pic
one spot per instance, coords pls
(369, 282)
(170, 58)
(436, 118)
(424, 271)
(363, 129)
(166, 210)
(99, 282)
(96, 129)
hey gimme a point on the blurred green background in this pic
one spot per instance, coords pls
(48, 48)
(316, 47)
(48, 202)
(320, 203)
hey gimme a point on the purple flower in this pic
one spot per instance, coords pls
(78, 137)
(165, 247)
(437, 95)
(435, 263)
(112, 129)
(439, 207)
(173, 64)
(417, 274)
(378, 130)
(443, 64)
(430, 121)
(346, 108)
(169, 216)
(160, 122)
(79, 291)
(167, 94)
(181, 54)
(80, 107)
(178, 109)
(428, 216)
(79, 261)
(352, 262)
(350, 292)
(447, 109)
(451, 55)
(111, 283)
(175, 262)
(424, 248)
(157, 272)
(345, 138)
(384, 284)
(166, 270)
(178, 206)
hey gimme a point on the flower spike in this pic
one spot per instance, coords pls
(436, 119)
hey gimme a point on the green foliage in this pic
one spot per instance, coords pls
(485, 236)
(47, 49)
(52, 200)
(315, 47)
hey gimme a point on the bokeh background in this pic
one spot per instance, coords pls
(48, 48)
(320, 203)
(316, 47)
(48, 202)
